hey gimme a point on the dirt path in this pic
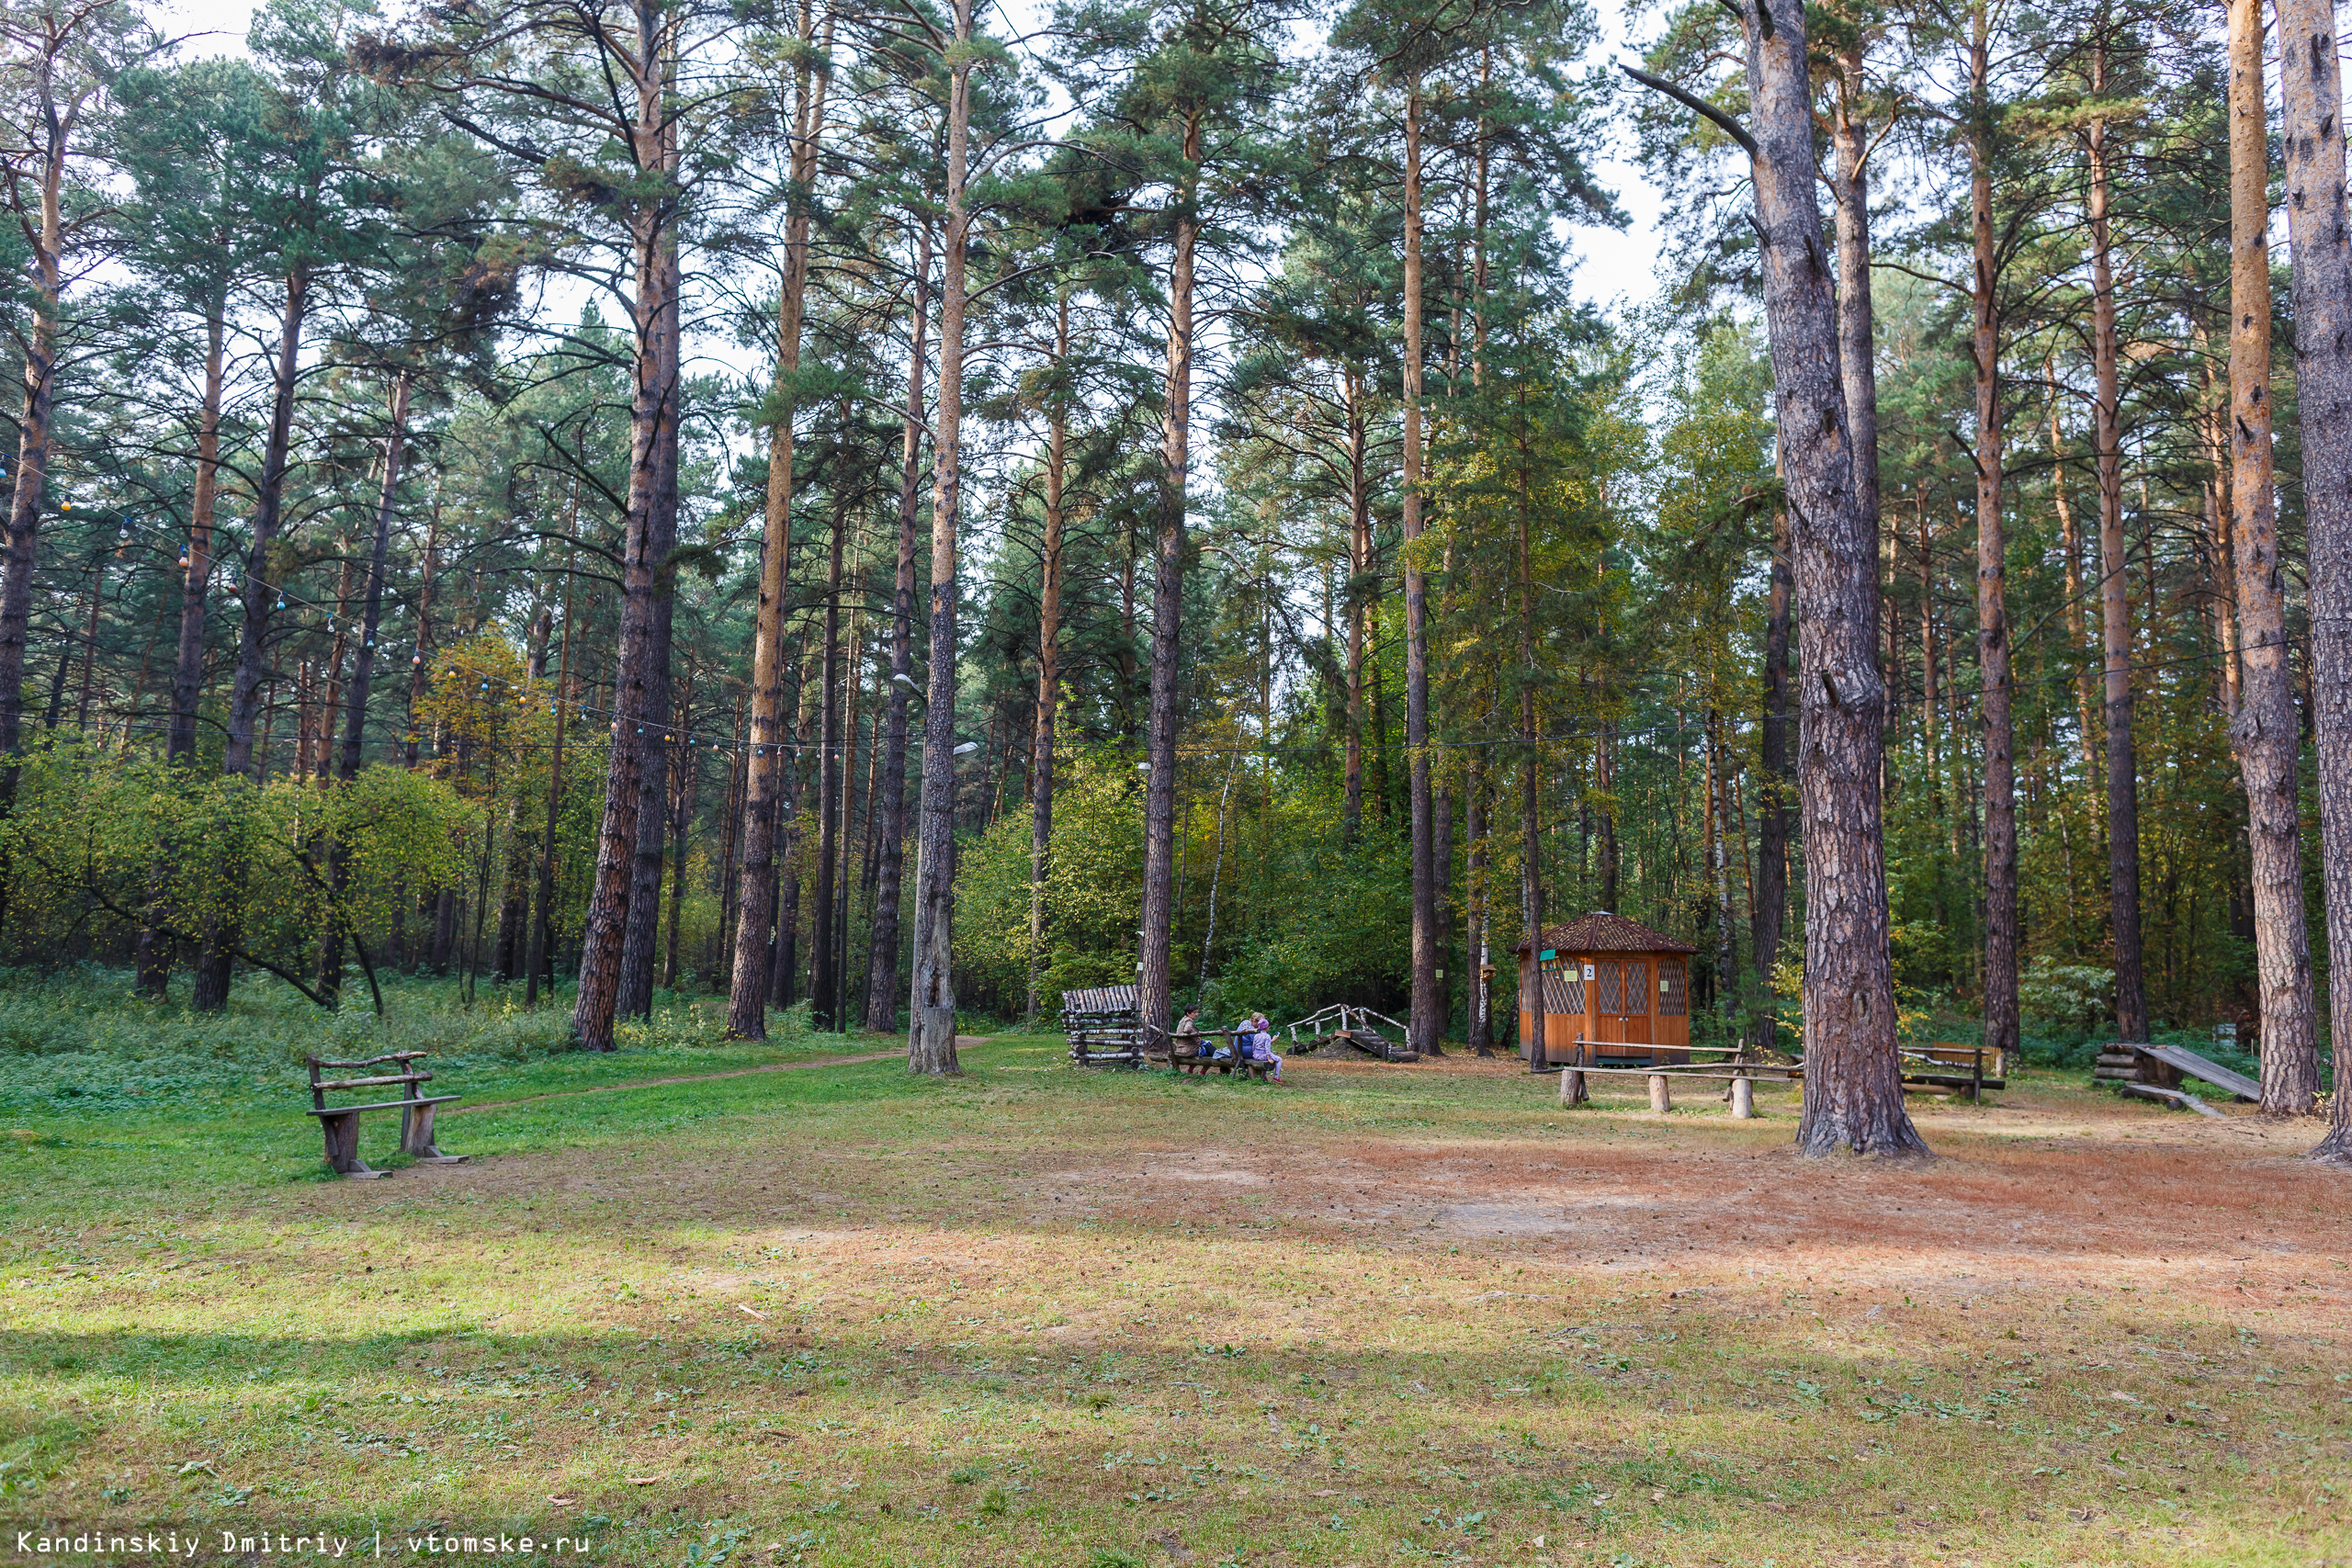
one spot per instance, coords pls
(690, 1077)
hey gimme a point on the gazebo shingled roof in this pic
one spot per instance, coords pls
(1601, 931)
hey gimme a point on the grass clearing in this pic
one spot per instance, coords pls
(1376, 1314)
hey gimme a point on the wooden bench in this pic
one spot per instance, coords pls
(1737, 1074)
(1180, 1063)
(1952, 1066)
(340, 1124)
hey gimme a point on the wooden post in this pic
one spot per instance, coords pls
(1572, 1083)
(1661, 1096)
(1743, 1098)
(1976, 1076)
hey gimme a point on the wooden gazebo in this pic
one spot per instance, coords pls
(1611, 985)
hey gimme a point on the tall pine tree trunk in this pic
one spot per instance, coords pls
(882, 949)
(931, 1035)
(653, 423)
(1991, 570)
(2115, 595)
(541, 946)
(1167, 605)
(256, 599)
(1050, 648)
(2070, 544)
(1358, 598)
(684, 788)
(2313, 88)
(1477, 828)
(1853, 1088)
(784, 973)
(830, 766)
(765, 784)
(35, 436)
(155, 954)
(1775, 788)
(1530, 768)
(363, 680)
(1426, 1021)
(641, 935)
(2265, 732)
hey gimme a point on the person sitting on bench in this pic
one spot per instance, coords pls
(1256, 1040)
(1188, 1046)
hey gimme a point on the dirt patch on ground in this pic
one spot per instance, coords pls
(2021, 1197)
(1457, 1320)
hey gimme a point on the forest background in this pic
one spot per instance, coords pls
(463, 447)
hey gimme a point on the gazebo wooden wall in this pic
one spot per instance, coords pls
(1618, 987)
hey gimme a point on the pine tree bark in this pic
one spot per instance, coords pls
(765, 786)
(363, 680)
(1425, 1022)
(825, 988)
(2070, 544)
(930, 1036)
(187, 673)
(1719, 858)
(1530, 768)
(684, 788)
(641, 935)
(421, 661)
(1049, 678)
(1775, 787)
(640, 938)
(1856, 317)
(1358, 605)
(853, 1004)
(215, 962)
(153, 959)
(1477, 826)
(784, 954)
(1853, 1088)
(1167, 603)
(35, 433)
(653, 423)
(1992, 569)
(2313, 88)
(2265, 732)
(1604, 781)
(882, 951)
(541, 946)
(2115, 596)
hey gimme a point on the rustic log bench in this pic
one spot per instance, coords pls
(340, 1124)
(1179, 1062)
(1950, 1065)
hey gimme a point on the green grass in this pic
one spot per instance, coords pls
(1034, 1315)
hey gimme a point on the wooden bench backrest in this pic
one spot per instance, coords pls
(404, 1073)
(1951, 1054)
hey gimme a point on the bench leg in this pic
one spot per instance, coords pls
(416, 1136)
(343, 1146)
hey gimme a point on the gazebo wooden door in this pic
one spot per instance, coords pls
(1633, 1026)
(1622, 1001)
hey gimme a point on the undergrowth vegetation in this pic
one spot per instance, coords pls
(84, 1039)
